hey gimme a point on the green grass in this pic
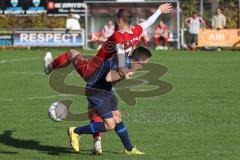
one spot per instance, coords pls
(198, 120)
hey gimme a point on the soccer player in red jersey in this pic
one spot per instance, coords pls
(120, 43)
(161, 33)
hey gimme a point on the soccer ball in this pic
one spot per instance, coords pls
(57, 111)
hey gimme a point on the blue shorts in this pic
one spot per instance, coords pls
(103, 102)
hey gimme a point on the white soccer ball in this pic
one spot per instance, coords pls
(57, 111)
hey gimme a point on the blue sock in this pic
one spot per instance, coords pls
(123, 134)
(91, 128)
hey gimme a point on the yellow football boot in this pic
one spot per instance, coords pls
(74, 138)
(133, 151)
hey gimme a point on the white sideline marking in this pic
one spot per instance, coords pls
(28, 73)
(28, 59)
(33, 98)
(18, 59)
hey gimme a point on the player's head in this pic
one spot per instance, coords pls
(219, 10)
(161, 23)
(141, 55)
(109, 22)
(124, 17)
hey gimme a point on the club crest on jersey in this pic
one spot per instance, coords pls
(14, 3)
(36, 3)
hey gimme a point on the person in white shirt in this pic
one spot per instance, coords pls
(218, 20)
(72, 22)
(194, 24)
(107, 31)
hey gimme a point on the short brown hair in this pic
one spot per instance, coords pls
(141, 53)
(125, 15)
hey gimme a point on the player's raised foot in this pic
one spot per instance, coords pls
(48, 63)
(134, 151)
(74, 139)
(97, 147)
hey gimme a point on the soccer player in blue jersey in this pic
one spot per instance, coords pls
(102, 100)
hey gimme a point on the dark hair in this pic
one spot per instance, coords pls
(116, 25)
(141, 53)
(219, 8)
(125, 15)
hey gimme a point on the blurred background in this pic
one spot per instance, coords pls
(87, 24)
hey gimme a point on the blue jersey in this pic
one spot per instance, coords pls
(98, 79)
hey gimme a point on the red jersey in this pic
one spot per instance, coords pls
(127, 38)
(161, 29)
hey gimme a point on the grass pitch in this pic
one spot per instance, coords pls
(198, 120)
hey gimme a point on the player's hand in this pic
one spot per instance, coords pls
(123, 71)
(136, 66)
(165, 8)
(113, 76)
(129, 74)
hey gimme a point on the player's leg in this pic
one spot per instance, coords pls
(121, 130)
(108, 124)
(195, 41)
(59, 62)
(156, 40)
(92, 128)
(87, 68)
(165, 42)
(97, 137)
(100, 102)
(191, 41)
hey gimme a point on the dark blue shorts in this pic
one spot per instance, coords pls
(103, 102)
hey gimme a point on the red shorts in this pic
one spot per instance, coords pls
(86, 67)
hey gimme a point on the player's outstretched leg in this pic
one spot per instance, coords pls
(122, 132)
(123, 135)
(61, 61)
(92, 128)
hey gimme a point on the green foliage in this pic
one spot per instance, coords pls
(231, 13)
(39, 21)
(189, 8)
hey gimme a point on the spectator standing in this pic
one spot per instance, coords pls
(194, 25)
(72, 22)
(161, 36)
(107, 31)
(218, 20)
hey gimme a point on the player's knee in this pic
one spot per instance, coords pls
(110, 126)
(72, 53)
(118, 118)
